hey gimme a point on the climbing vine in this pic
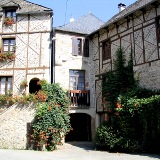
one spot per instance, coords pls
(52, 121)
(133, 113)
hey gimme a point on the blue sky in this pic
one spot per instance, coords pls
(103, 9)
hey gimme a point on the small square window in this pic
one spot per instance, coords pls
(5, 84)
(9, 45)
(10, 14)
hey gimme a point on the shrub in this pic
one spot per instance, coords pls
(133, 123)
(52, 121)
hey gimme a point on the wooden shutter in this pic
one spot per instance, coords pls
(74, 46)
(86, 48)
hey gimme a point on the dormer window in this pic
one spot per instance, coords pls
(10, 13)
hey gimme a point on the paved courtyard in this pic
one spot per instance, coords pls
(72, 151)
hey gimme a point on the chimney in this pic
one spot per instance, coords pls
(121, 7)
(72, 19)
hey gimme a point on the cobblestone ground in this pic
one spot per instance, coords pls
(72, 151)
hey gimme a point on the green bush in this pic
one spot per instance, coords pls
(52, 120)
(133, 113)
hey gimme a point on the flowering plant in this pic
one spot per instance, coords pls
(23, 83)
(9, 21)
(7, 56)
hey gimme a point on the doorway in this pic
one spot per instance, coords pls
(34, 87)
(81, 124)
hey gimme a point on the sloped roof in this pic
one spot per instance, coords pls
(129, 10)
(84, 25)
(24, 7)
(139, 4)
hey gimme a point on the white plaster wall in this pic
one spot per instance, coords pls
(32, 49)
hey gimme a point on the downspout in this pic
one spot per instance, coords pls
(51, 54)
(53, 57)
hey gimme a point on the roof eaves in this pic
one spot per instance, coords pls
(33, 12)
(74, 32)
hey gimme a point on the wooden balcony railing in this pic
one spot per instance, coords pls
(79, 98)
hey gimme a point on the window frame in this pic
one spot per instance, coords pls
(158, 28)
(13, 13)
(77, 46)
(77, 79)
(9, 45)
(6, 84)
(106, 49)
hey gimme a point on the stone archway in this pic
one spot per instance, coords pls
(81, 124)
(34, 87)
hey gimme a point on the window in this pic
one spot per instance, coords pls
(79, 46)
(77, 79)
(86, 48)
(10, 13)
(9, 45)
(158, 29)
(5, 84)
(76, 46)
(106, 50)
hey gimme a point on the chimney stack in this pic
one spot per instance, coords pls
(121, 7)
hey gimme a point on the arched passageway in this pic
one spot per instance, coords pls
(34, 87)
(81, 124)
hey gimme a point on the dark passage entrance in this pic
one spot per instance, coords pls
(34, 87)
(81, 124)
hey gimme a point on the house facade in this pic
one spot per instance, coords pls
(25, 58)
(75, 72)
(135, 29)
(25, 36)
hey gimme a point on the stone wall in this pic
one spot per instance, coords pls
(13, 130)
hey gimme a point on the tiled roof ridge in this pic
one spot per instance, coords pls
(128, 11)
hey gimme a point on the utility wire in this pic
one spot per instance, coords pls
(65, 12)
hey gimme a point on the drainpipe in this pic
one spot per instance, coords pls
(51, 54)
(53, 57)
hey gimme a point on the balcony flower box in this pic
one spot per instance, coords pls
(7, 56)
(9, 21)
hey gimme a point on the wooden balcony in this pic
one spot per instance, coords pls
(80, 98)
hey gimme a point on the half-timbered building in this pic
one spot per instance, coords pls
(136, 29)
(25, 48)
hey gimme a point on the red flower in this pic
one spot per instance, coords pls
(118, 105)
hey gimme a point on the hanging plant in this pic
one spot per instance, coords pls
(9, 21)
(7, 56)
(23, 83)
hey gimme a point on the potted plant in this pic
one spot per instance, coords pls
(23, 83)
(7, 56)
(9, 21)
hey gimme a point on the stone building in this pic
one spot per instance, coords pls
(136, 28)
(25, 56)
(25, 36)
(75, 72)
